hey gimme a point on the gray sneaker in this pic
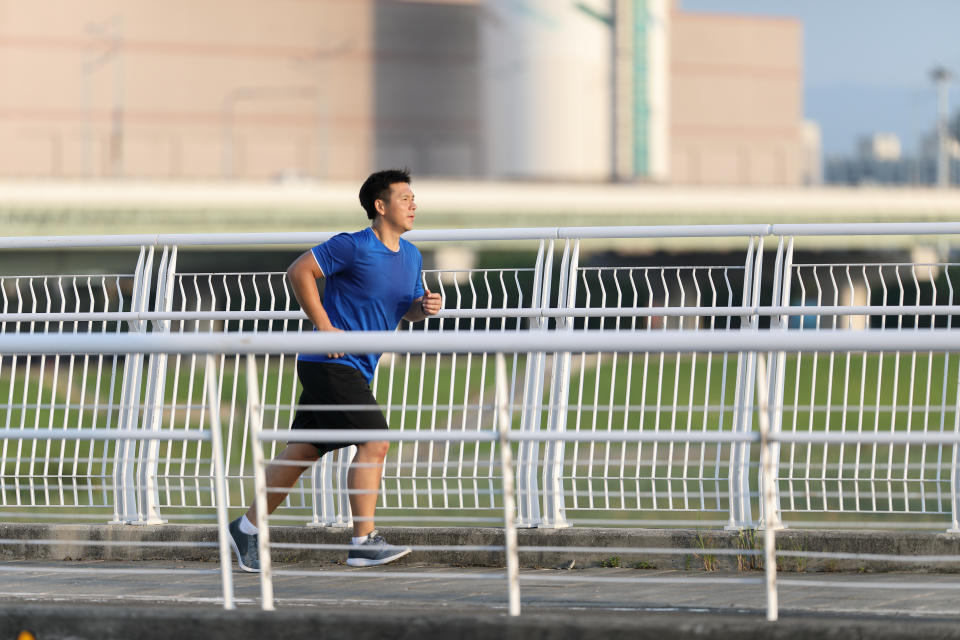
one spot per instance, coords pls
(245, 546)
(374, 551)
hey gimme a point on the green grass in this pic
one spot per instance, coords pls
(815, 390)
(677, 392)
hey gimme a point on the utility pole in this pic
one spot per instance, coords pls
(942, 78)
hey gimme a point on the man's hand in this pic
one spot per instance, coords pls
(431, 303)
(333, 328)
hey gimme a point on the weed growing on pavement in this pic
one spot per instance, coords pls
(709, 560)
(747, 540)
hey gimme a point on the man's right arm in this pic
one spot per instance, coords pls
(303, 275)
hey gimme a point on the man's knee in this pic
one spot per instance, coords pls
(376, 450)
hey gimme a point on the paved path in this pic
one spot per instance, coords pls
(412, 586)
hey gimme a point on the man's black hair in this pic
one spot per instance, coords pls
(377, 187)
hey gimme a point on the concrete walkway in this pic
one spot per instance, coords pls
(584, 601)
(476, 588)
(160, 582)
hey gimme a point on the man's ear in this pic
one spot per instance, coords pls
(380, 206)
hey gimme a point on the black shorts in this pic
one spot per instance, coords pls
(328, 383)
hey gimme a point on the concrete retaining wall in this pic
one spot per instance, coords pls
(702, 546)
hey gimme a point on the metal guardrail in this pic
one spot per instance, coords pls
(501, 431)
(669, 380)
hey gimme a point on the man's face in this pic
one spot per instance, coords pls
(399, 208)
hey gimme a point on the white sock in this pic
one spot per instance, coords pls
(360, 540)
(247, 527)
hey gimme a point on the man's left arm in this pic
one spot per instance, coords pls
(429, 304)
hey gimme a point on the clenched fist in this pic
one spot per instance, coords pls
(431, 303)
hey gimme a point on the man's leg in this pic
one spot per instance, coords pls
(368, 549)
(243, 531)
(284, 476)
(363, 480)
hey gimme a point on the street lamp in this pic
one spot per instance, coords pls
(942, 78)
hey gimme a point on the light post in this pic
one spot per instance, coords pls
(942, 78)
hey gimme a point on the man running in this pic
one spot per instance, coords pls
(373, 279)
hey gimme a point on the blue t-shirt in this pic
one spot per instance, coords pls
(368, 288)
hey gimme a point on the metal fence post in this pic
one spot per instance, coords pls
(219, 483)
(148, 460)
(955, 479)
(774, 380)
(767, 494)
(323, 507)
(528, 513)
(739, 479)
(123, 476)
(331, 508)
(259, 482)
(554, 509)
(344, 513)
(955, 474)
(509, 503)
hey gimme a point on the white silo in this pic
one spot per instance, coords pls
(547, 70)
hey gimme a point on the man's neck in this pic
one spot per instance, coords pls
(388, 236)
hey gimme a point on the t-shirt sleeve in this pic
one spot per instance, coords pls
(336, 254)
(418, 287)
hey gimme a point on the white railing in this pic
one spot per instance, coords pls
(498, 428)
(661, 389)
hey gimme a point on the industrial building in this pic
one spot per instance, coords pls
(608, 90)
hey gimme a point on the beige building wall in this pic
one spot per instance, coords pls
(246, 89)
(185, 88)
(736, 100)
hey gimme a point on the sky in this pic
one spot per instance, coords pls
(867, 62)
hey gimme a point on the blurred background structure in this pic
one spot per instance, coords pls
(542, 89)
(131, 116)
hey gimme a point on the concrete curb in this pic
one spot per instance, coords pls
(67, 538)
(63, 622)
